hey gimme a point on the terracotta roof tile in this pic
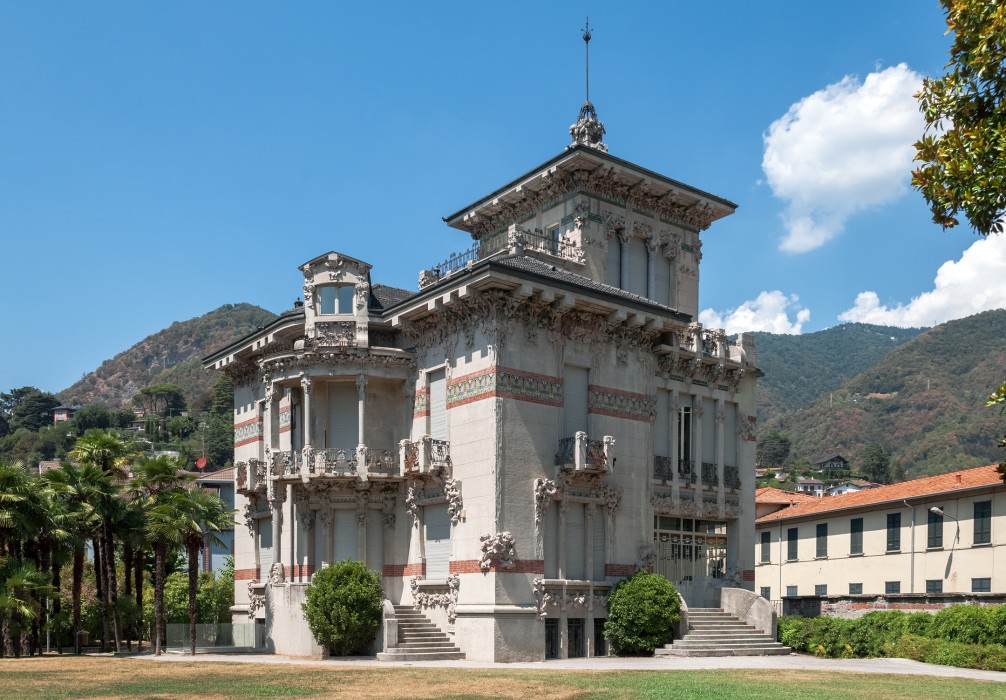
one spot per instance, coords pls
(222, 475)
(930, 485)
(769, 494)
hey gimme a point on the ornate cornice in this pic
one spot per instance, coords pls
(354, 357)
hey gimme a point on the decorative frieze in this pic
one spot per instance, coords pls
(358, 358)
(247, 432)
(449, 600)
(621, 404)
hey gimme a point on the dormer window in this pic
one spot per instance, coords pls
(335, 299)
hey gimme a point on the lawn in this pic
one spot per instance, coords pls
(95, 677)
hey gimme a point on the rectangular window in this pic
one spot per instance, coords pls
(856, 536)
(894, 532)
(326, 300)
(892, 587)
(821, 589)
(822, 540)
(685, 433)
(981, 585)
(855, 589)
(935, 528)
(766, 592)
(766, 547)
(574, 400)
(983, 522)
(792, 538)
(790, 591)
(934, 585)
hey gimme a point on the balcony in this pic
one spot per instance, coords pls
(732, 478)
(580, 453)
(710, 477)
(250, 477)
(334, 461)
(285, 464)
(425, 456)
(686, 471)
(356, 463)
(662, 468)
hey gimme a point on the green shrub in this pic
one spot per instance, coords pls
(343, 607)
(642, 613)
(967, 623)
(989, 657)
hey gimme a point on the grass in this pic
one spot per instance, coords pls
(94, 677)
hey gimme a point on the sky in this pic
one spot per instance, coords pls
(159, 160)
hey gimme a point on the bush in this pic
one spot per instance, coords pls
(343, 607)
(990, 657)
(642, 613)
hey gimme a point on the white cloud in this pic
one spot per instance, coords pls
(770, 313)
(975, 283)
(843, 149)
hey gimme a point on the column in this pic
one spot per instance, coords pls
(697, 410)
(721, 417)
(623, 240)
(276, 503)
(361, 391)
(675, 416)
(306, 384)
(651, 267)
(270, 397)
(560, 532)
(588, 539)
(325, 517)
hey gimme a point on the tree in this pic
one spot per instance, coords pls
(27, 408)
(999, 399)
(93, 416)
(875, 464)
(773, 449)
(642, 612)
(343, 606)
(161, 399)
(963, 168)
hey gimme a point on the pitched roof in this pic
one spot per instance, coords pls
(927, 486)
(383, 296)
(770, 494)
(221, 475)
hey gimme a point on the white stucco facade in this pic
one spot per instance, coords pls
(540, 419)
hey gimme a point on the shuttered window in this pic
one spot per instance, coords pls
(662, 294)
(598, 544)
(551, 541)
(375, 540)
(614, 262)
(438, 404)
(438, 541)
(264, 549)
(637, 268)
(661, 446)
(344, 416)
(575, 541)
(574, 400)
(345, 537)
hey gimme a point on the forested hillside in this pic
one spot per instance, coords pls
(168, 356)
(924, 402)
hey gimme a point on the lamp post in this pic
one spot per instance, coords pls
(939, 511)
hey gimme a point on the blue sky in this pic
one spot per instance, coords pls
(159, 160)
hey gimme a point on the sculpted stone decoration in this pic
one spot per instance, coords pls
(544, 492)
(448, 600)
(452, 488)
(647, 557)
(388, 509)
(277, 574)
(356, 357)
(542, 599)
(256, 598)
(746, 428)
(498, 549)
(411, 506)
(251, 506)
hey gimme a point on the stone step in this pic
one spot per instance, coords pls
(421, 656)
(426, 647)
(691, 636)
(766, 650)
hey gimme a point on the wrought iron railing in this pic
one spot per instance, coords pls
(338, 460)
(662, 468)
(440, 454)
(565, 456)
(710, 477)
(731, 478)
(529, 240)
(686, 471)
(383, 462)
(595, 457)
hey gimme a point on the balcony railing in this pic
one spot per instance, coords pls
(335, 461)
(710, 477)
(731, 478)
(285, 463)
(686, 471)
(662, 468)
(425, 455)
(582, 453)
(382, 462)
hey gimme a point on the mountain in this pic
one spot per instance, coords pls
(924, 401)
(168, 356)
(802, 368)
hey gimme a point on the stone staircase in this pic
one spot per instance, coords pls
(419, 639)
(712, 632)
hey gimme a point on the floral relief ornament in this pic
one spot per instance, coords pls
(498, 549)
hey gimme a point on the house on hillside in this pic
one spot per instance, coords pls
(810, 487)
(848, 486)
(217, 548)
(540, 419)
(831, 463)
(938, 534)
(61, 414)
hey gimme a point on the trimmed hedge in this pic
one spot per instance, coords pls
(962, 635)
(343, 607)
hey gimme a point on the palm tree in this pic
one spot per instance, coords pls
(19, 602)
(17, 508)
(110, 453)
(203, 515)
(80, 488)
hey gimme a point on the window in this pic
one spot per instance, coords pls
(894, 532)
(856, 536)
(934, 585)
(983, 522)
(981, 585)
(821, 589)
(685, 433)
(766, 547)
(792, 538)
(855, 589)
(576, 381)
(892, 587)
(935, 540)
(822, 540)
(336, 299)
(791, 591)
(766, 592)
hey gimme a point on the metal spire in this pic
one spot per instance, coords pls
(588, 131)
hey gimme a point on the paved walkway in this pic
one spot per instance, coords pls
(797, 662)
